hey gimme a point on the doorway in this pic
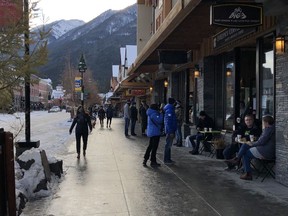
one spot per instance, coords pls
(240, 86)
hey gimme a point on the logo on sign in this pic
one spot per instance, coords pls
(237, 14)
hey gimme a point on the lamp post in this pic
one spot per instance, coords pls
(27, 144)
(82, 68)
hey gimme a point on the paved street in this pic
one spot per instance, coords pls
(112, 181)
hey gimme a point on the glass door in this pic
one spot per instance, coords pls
(230, 95)
(267, 77)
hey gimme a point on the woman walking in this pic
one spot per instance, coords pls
(109, 115)
(155, 120)
(101, 115)
(83, 121)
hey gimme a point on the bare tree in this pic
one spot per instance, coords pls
(68, 79)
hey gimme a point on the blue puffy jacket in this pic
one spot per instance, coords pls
(170, 119)
(155, 120)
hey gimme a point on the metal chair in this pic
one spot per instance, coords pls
(266, 168)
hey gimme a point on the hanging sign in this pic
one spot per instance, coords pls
(11, 11)
(236, 15)
(135, 92)
(78, 84)
(230, 35)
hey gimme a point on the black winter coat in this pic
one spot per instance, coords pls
(83, 121)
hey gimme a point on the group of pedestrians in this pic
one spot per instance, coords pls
(156, 117)
(131, 117)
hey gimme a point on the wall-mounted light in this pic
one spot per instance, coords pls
(166, 83)
(151, 88)
(228, 72)
(197, 71)
(280, 45)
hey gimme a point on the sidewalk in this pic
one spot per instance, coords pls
(112, 181)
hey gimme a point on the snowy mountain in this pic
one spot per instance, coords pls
(59, 28)
(99, 40)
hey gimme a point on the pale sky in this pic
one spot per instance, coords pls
(85, 10)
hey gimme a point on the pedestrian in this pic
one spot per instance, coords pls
(162, 105)
(126, 111)
(142, 111)
(101, 116)
(170, 123)
(134, 118)
(94, 116)
(109, 115)
(82, 122)
(179, 116)
(155, 121)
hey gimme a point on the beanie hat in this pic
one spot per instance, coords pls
(171, 100)
(154, 107)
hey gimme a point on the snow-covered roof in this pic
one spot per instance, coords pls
(115, 70)
(131, 54)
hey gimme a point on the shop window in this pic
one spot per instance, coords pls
(267, 78)
(230, 88)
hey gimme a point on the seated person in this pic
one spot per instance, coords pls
(245, 130)
(204, 121)
(263, 148)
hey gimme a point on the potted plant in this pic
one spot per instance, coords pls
(219, 145)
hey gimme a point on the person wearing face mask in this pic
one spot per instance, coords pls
(83, 124)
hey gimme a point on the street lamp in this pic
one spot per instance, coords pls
(82, 68)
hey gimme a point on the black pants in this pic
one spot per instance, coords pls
(109, 121)
(153, 146)
(78, 141)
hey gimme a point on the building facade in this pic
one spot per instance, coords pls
(191, 54)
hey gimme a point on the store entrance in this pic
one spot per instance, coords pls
(240, 97)
(246, 82)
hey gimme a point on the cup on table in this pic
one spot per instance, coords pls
(251, 137)
(239, 136)
(205, 129)
(210, 129)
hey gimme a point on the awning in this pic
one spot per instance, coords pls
(183, 29)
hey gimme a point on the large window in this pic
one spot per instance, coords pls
(267, 78)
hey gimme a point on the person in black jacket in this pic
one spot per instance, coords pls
(245, 130)
(101, 115)
(109, 115)
(133, 118)
(83, 121)
(204, 121)
(142, 111)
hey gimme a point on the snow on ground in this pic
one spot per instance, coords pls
(52, 129)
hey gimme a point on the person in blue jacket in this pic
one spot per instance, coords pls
(170, 122)
(155, 120)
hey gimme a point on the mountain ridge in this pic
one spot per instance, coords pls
(99, 40)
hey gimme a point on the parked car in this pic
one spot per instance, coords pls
(54, 109)
(68, 108)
